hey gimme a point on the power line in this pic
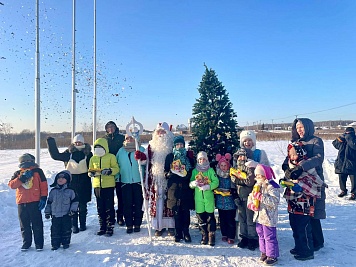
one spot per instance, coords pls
(353, 103)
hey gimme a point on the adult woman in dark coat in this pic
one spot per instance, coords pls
(345, 164)
(76, 160)
(303, 131)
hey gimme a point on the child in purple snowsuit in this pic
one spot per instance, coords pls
(263, 200)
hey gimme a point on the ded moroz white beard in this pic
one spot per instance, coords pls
(161, 146)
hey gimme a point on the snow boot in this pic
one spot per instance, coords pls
(243, 243)
(204, 239)
(252, 244)
(82, 221)
(211, 241)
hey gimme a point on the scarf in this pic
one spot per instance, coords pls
(181, 154)
(222, 174)
(129, 147)
(203, 167)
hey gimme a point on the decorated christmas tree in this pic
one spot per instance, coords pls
(214, 127)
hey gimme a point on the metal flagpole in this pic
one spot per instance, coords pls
(135, 132)
(94, 97)
(73, 76)
(37, 89)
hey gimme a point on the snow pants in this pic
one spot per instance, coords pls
(132, 204)
(61, 230)
(268, 240)
(30, 218)
(227, 223)
(105, 207)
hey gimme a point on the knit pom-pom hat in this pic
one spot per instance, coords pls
(226, 158)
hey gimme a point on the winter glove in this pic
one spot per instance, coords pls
(140, 155)
(297, 188)
(72, 213)
(47, 216)
(26, 176)
(257, 195)
(193, 184)
(294, 173)
(204, 187)
(15, 175)
(233, 179)
(42, 203)
(91, 174)
(106, 171)
(168, 175)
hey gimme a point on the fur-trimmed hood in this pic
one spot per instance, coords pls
(86, 150)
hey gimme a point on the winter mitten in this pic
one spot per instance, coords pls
(42, 203)
(140, 155)
(296, 172)
(106, 171)
(257, 195)
(26, 176)
(193, 184)
(91, 174)
(205, 187)
(297, 188)
(47, 216)
(293, 174)
(273, 183)
(252, 206)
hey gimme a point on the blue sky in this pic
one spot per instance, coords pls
(276, 59)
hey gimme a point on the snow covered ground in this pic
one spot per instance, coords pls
(135, 249)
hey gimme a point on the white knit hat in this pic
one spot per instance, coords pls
(78, 138)
(202, 154)
(248, 135)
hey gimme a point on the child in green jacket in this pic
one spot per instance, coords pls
(103, 167)
(204, 181)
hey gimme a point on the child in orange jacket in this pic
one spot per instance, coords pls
(31, 196)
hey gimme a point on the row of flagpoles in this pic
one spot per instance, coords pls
(74, 91)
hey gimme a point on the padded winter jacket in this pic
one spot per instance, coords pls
(61, 201)
(128, 165)
(267, 213)
(115, 141)
(108, 161)
(178, 191)
(315, 157)
(345, 162)
(80, 182)
(39, 187)
(204, 200)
